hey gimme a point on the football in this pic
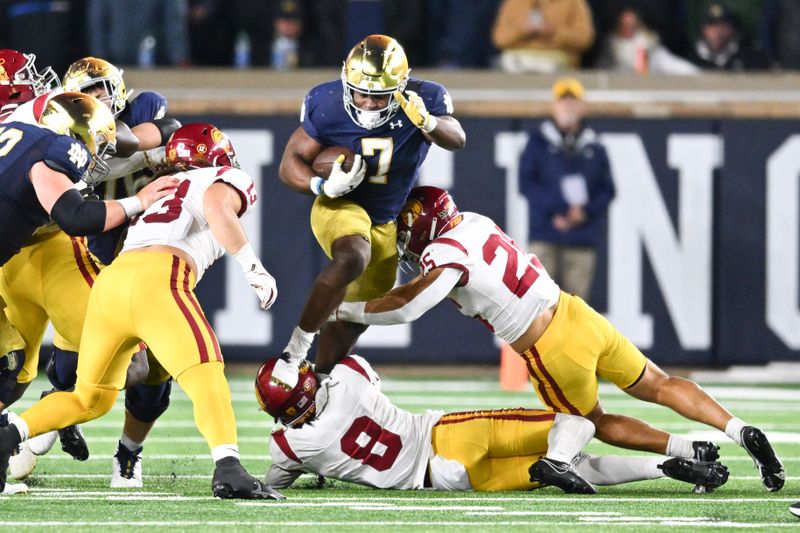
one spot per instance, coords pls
(324, 161)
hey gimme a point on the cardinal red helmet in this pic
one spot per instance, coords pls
(19, 79)
(427, 213)
(200, 145)
(294, 406)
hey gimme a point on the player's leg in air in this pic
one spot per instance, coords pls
(564, 374)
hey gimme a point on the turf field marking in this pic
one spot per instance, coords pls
(543, 513)
(583, 499)
(159, 456)
(316, 524)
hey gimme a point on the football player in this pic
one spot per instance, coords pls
(345, 428)
(565, 343)
(389, 120)
(20, 81)
(61, 294)
(147, 294)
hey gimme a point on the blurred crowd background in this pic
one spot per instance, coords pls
(644, 36)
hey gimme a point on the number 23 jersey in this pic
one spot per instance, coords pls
(178, 219)
(501, 285)
(357, 435)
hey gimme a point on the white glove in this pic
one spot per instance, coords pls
(286, 373)
(257, 276)
(340, 182)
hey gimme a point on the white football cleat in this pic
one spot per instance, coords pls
(22, 465)
(15, 488)
(126, 468)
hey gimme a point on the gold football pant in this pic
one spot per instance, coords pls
(48, 280)
(579, 345)
(496, 447)
(144, 296)
(10, 339)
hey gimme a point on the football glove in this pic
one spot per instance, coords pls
(257, 276)
(415, 110)
(286, 371)
(340, 182)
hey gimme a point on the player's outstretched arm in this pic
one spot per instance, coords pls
(221, 207)
(78, 216)
(295, 168)
(402, 304)
(156, 132)
(445, 131)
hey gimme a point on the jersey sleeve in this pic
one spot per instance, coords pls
(286, 465)
(359, 370)
(437, 99)
(308, 116)
(68, 156)
(447, 253)
(148, 106)
(243, 184)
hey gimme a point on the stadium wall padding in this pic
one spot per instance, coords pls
(701, 266)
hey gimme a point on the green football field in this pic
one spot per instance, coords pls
(65, 494)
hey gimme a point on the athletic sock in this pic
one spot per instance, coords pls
(130, 444)
(568, 436)
(225, 450)
(679, 447)
(734, 429)
(616, 469)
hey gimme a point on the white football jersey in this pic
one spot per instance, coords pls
(178, 220)
(357, 435)
(501, 285)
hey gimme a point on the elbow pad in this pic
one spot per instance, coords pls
(166, 127)
(77, 216)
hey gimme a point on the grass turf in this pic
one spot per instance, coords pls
(66, 494)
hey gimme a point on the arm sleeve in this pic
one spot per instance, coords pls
(412, 310)
(77, 216)
(604, 190)
(307, 116)
(68, 156)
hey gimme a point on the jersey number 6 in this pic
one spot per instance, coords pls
(377, 435)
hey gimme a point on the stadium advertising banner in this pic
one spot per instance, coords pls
(702, 250)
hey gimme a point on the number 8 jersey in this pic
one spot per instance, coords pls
(357, 435)
(178, 219)
(501, 285)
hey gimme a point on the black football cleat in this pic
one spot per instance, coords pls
(768, 464)
(707, 475)
(231, 481)
(73, 442)
(561, 475)
(9, 440)
(795, 509)
(704, 452)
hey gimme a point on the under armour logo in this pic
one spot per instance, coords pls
(77, 154)
(398, 124)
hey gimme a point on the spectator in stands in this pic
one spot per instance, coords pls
(288, 28)
(146, 32)
(565, 174)
(779, 32)
(633, 47)
(542, 35)
(461, 38)
(720, 46)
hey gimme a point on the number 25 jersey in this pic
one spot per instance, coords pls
(357, 435)
(178, 219)
(501, 285)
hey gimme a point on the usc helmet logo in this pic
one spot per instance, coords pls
(3, 73)
(411, 212)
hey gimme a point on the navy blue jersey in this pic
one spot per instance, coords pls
(145, 107)
(393, 152)
(21, 146)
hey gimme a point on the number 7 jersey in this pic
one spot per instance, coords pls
(178, 219)
(501, 285)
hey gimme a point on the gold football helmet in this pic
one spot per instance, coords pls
(377, 66)
(92, 71)
(87, 119)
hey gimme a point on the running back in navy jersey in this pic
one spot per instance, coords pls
(393, 152)
(145, 107)
(21, 146)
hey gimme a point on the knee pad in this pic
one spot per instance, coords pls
(10, 367)
(147, 402)
(62, 369)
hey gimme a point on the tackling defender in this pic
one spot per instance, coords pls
(565, 343)
(353, 220)
(147, 294)
(345, 428)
